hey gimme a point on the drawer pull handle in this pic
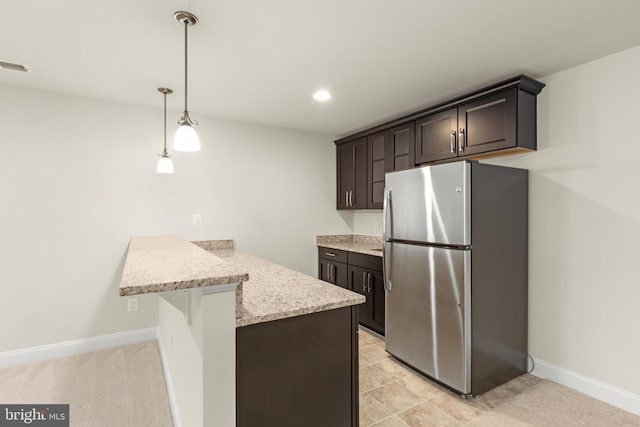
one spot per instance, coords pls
(329, 254)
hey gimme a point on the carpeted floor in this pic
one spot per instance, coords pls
(123, 386)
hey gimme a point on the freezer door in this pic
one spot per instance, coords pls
(429, 311)
(429, 204)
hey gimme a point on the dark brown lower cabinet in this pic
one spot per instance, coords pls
(360, 273)
(333, 272)
(332, 266)
(369, 283)
(299, 371)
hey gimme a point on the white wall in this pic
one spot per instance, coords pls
(584, 282)
(78, 180)
(368, 222)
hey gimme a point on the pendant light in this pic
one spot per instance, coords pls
(165, 165)
(186, 138)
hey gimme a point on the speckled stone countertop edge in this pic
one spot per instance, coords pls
(272, 317)
(156, 264)
(182, 285)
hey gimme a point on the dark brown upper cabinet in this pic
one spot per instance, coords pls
(436, 136)
(352, 175)
(389, 151)
(488, 124)
(400, 151)
(495, 120)
(377, 145)
(481, 126)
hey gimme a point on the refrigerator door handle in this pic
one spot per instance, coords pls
(386, 210)
(386, 268)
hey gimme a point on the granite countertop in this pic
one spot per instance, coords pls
(352, 243)
(167, 263)
(274, 292)
(267, 290)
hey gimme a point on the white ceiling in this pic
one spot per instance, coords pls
(260, 61)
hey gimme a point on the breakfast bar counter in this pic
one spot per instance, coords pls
(268, 345)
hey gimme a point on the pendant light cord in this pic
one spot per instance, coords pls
(165, 123)
(186, 24)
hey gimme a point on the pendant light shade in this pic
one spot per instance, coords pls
(186, 137)
(165, 165)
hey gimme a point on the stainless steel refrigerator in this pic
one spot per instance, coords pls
(455, 267)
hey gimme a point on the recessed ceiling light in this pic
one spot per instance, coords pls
(322, 95)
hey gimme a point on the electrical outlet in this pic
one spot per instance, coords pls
(197, 219)
(132, 304)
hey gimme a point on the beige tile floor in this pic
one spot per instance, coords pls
(393, 395)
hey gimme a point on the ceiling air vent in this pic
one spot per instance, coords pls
(13, 66)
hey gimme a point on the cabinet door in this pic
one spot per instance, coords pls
(487, 124)
(324, 272)
(344, 168)
(377, 297)
(436, 136)
(358, 283)
(339, 274)
(333, 272)
(400, 148)
(358, 199)
(377, 149)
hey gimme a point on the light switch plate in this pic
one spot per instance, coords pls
(197, 219)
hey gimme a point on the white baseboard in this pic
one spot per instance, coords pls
(74, 347)
(591, 387)
(171, 392)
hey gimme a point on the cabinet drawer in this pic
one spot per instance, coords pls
(332, 254)
(365, 261)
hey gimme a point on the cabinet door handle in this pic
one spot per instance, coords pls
(329, 254)
(351, 198)
(333, 273)
(462, 140)
(346, 198)
(364, 285)
(328, 274)
(369, 282)
(453, 141)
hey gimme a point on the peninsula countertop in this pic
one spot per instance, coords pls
(167, 263)
(275, 292)
(267, 291)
